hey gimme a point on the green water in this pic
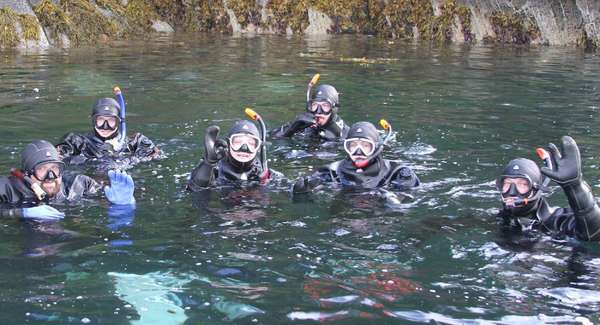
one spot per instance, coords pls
(260, 256)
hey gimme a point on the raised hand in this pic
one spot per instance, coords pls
(214, 149)
(120, 190)
(566, 167)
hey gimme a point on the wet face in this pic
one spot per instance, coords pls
(515, 190)
(359, 149)
(243, 147)
(321, 110)
(106, 126)
(49, 177)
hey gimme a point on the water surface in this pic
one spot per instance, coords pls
(258, 255)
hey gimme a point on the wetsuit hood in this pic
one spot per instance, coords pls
(366, 130)
(528, 169)
(38, 152)
(247, 127)
(106, 107)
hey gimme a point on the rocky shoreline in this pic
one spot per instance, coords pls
(70, 23)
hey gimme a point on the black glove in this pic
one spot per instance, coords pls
(301, 185)
(566, 167)
(301, 122)
(214, 149)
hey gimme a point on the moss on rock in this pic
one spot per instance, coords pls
(515, 28)
(9, 37)
(288, 13)
(30, 28)
(205, 16)
(246, 11)
(79, 20)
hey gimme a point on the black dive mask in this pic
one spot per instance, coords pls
(106, 126)
(243, 148)
(47, 172)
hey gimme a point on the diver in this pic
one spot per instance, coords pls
(242, 157)
(107, 139)
(364, 168)
(28, 192)
(321, 119)
(524, 206)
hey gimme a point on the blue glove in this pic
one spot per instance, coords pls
(42, 213)
(120, 216)
(121, 188)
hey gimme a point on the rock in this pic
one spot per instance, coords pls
(23, 7)
(160, 26)
(318, 23)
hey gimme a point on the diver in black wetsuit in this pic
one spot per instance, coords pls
(320, 120)
(524, 206)
(104, 141)
(364, 168)
(27, 192)
(232, 160)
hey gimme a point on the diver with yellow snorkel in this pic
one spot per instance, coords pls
(364, 167)
(242, 156)
(321, 119)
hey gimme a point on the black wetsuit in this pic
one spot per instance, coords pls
(15, 194)
(223, 172)
(380, 173)
(334, 129)
(91, 146)
(557, 221)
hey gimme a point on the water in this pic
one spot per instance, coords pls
(261, 256)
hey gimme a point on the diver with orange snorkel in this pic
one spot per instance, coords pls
(521, 186)
(364, 168)
(321, 119)
(242, 156)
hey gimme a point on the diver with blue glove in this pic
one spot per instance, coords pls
(28, 192)
(521, 187)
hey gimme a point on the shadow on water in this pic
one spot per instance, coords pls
(257, 254)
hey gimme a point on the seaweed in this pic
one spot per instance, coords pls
(246, 11)
(515, 28)
(9, 37)
(205, 16)
(288, 13)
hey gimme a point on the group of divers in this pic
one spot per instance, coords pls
(240, 159)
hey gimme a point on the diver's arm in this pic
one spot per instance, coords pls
(8, 196)
(567, 173)
(202, 176)
(72, 144)
(405, 178)
(12, 213)
(301, 122)
(214, 150)
(307, 184)
(143, 148)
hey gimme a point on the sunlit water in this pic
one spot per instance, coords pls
(259, 255)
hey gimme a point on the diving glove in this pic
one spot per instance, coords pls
(214, 149)
(42, 213)
(121, 188)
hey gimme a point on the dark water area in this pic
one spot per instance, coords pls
(258, 255)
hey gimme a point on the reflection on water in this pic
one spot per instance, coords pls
(435, 254)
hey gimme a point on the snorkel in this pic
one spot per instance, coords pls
(35, 187)
(263, 135)
(545, 157)
(364, 163)
(311, 84)
(123, 127)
